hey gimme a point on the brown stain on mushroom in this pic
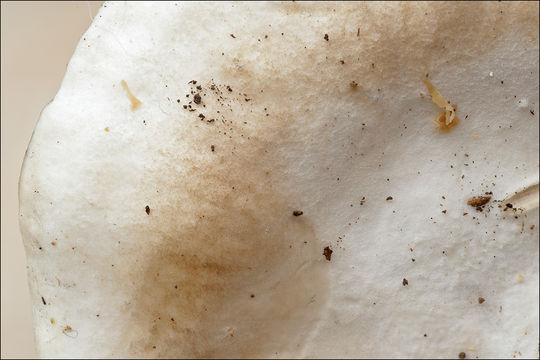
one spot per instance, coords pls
(221, 229)
(135, 103)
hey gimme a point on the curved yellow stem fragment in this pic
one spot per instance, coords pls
(439, 100)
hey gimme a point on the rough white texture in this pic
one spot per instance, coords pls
(220, 267)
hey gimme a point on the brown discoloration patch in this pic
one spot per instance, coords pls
(135, 103)
(224, 229)
(462, 355)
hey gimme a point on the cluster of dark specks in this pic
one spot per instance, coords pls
(220, 94)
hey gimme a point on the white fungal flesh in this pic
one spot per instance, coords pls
(155, 231)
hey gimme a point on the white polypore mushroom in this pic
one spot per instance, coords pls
(262, 179)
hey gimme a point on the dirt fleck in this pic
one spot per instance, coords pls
(43, 300)
(353, 84)
(197, 99)
(326, 37)
(389, 198)
(481, 300)
(232, 35)
(462, 355)
(52, 321)
(327, 252)
(532, 227)
(147, 209)
(405, 282)
(297, 212)
(478, 201)
(212, 147)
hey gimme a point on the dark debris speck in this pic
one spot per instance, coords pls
(327, 252)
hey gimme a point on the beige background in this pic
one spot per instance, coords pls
(38, 39)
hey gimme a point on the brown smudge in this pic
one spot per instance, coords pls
(224, 229)
(135, 103)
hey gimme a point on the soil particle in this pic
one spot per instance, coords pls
(327, 252)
